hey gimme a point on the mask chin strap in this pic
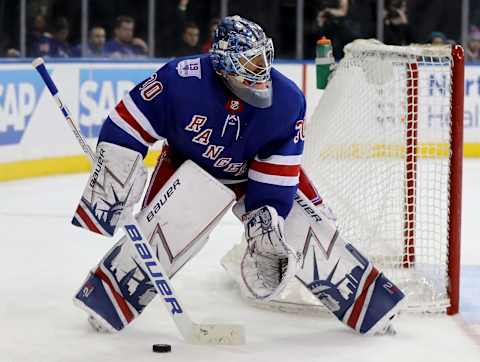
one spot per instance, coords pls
(260, 98)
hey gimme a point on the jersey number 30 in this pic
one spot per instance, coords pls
(151, 88)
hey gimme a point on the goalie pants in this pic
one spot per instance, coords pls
(117, 290)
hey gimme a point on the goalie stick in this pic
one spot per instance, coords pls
(231, 334)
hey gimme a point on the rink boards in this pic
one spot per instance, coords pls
(34, 139)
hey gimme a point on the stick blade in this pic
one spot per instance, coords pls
(226, 334)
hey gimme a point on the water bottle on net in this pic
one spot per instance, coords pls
(324, 61)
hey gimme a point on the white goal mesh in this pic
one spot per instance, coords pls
(378, 148)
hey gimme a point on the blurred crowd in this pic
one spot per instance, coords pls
(55, 43)
(53, 28)
(118, 28)
(434, 22)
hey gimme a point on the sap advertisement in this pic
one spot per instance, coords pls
(31, 126)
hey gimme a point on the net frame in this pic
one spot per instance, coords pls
(455, 220)
(413, 58)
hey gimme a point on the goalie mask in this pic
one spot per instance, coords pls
(242, 54)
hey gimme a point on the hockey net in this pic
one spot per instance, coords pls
(384, 148)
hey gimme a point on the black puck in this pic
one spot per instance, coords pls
(162, 348)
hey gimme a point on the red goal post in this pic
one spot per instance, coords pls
(456, 165)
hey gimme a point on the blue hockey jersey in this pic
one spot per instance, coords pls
(187, 103)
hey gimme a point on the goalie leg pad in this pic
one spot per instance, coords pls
(118, 289)
(375, 307)
(177, 226)
(344, 280)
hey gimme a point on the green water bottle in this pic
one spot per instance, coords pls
(324, 61)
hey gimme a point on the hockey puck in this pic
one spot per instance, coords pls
(162, 348)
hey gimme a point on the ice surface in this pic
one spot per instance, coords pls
(43, 259)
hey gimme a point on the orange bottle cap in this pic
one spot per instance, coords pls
(324, 41)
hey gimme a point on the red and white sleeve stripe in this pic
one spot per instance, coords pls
(130, 118)
(276, 170)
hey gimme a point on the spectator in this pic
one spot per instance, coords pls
(183, 5)
(190, 40)
(56, 45)
(473, 45)
(331, 22)
(176, 26)
(95, 45)
(176, 14)
(12, 53)
(212, 26)
(140, 46)
(36, 33)
(397, 27)
(123, 44)
(437, 38)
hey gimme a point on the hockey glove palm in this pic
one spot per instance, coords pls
(269, 262)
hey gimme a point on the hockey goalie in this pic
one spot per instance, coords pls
(233, 128)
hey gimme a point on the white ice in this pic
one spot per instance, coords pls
(43, 260)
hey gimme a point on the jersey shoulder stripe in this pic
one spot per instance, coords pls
(117, 115)
(138, 114)
(131, 120)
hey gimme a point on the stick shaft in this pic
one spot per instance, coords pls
(155, 271)
(42, 71)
